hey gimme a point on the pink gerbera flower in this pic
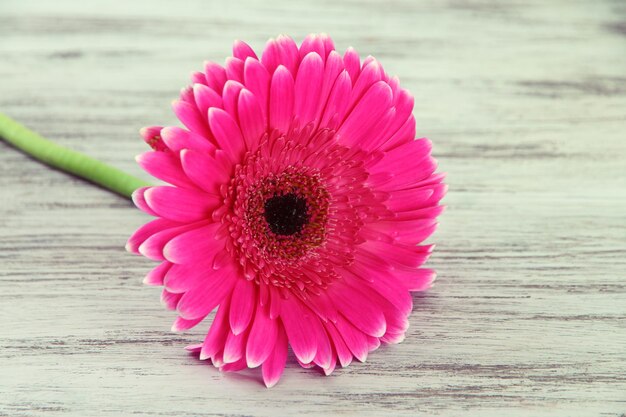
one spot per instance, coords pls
(297, 203)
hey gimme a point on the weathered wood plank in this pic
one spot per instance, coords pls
(526, 105)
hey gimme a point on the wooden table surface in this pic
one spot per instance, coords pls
(525, 102)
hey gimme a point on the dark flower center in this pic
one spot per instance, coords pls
(286, 214)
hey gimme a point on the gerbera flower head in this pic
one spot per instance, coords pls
(297, 203)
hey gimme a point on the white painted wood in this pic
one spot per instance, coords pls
(526, 105)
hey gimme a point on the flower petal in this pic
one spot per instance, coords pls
(262, 339)
(367, 112)
(242, 50)
(242, 305)
(201, 300)
(230, 97)
(215, 76)
(415, 279)
(257, 80)
(206, 98)
(308, 87)
(281, 104)
(181, 324)
(343, 353)
(357, 308)
(194, 245)
(234, 69)
(182, 278)
(352, 62)
(274, 366)
(156, 275)
(282, 50)
(152, 247)
(164, 166)
(147, 230)
(312, 43)
(338, 101)
(234, 347)
(189, 115)
(139, 199)
(251, 119)
(227, 133)
(177, 139)
(299, 322)
(355, 339)
(216, 337)
(179, 204)
(207, 172)
(170, 300)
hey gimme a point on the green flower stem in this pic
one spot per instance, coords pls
(67, 160)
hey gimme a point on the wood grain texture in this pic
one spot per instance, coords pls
(526, 104)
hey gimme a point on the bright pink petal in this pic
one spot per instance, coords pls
(357, 308)
(355, 339)
(404, 134)
(367, 112)
(194, 348)
(289, 55)
(242, 305)
(274, 366)
(343, 352)
(178, 139)
(312, 43)
(194, 245)
(242, 50)
(407, 200)
(299, 323)
(216, 337)
(215, 76)
(338, 101)
(182, 278)
(153, 246)
(308, 88)
(324, 353)
(397, 254)
(206, 98)
(352, 63)
(170, 300)
(251, 119)
(156, 276)
(416, 279)
(164, 166)
(387, 285)
(323, 306)
(234, 69)
(179, 204)
(370, 75)
(204, 170)
(201, 300)
(190, 116)
(230, 97)
(181, 324)
(198, 78)
(139, 198)
(333, 67)
(227, 133)
(234, 347)
(147, 230)
(282, 50)
(257, 80)
(234, 366)
(262, 339)
(282, 93)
